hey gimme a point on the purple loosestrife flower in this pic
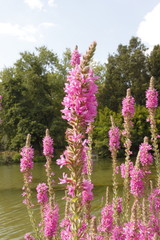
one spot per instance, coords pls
(117, 233)
(130, 231)
(66, 233)
(75, 57)
(50, 220)
(87, 194)
(128, 106)
(136, 182)
(48, 146)
(26, 162)
(80, 100)
(106, 223)
(42, 193)
(145, 156)
(123, 169)
(114, 136)
(28, 236)
(154, 200)
(151, 98)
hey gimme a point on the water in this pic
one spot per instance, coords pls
(14, 222)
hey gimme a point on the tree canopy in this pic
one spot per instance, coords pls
(32, 91)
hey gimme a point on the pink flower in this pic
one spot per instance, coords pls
(117, 233)
(75, 58)
(80, 100)
(136, 182)
(65, 179)
(106, 224)
(71, 190)
(114, 136)
(26, 162)
(119, 205)
(48, 146)
(42, 193)
(28, 236)
(123, 169)
(87, 194)
(63, 160)
(145, 157)
(130, 231)
(50, 220)
(154, 200)
(66, 231)
(151, 98)
(128, 106)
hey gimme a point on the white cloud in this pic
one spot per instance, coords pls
(47, 24)
(34, 4)
(29, 33)
(149, 30)
(52, 3)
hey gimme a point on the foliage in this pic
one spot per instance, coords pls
(128, 68)
(102, 126)
(32, 93)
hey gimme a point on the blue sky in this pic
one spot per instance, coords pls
(61, 24)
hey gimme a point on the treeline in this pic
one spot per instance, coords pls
(32, 93)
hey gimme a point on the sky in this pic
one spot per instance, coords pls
(61, 24)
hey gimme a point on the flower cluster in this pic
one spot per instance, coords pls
(28, 236)
(151, 98)
(87, 194)
(75, 58)
(48, 146)
(51, 216)
(128, 106)
(123, 169)
(114, 139)
(106, 223)
(26, 162)
(145, 156)
(136, 182)
(80, 100)
(154, 200)
(42, 193)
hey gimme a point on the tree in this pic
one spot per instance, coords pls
(154, 66)
(128, 68)
(32, 94)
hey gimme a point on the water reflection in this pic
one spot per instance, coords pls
(14, 221)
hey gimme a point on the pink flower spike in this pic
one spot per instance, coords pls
(26, 162)
(50, 221)
(42, 193)
(28, 236)
(114, 139)
(151, 98)
(145, 156)
(128, 105)
(75, 57)
(87, 194)
(48, 146)
(136, 182)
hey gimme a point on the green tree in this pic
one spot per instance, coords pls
(32, 94)
(154, 66)
(128, 68)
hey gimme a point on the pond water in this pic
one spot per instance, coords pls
(14, 221)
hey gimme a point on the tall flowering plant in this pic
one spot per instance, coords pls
(151, 105)
(47, 229)
(80, 108)
(127, 113)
